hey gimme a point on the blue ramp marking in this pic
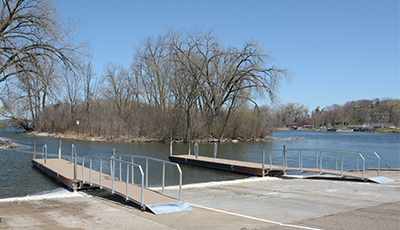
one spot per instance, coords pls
(169, 208)
(380, 180)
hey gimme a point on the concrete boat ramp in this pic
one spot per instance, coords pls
(269, 203)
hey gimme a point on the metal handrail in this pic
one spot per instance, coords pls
(112, 172)
(73, 151)
(336, 151)
(44, 153)
(163, 175)
(196, 150)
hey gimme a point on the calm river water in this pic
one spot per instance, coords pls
(19, 178)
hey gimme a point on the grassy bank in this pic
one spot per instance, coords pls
(388, 130)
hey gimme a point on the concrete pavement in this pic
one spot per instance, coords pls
(255, 203)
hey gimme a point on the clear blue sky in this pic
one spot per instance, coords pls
(340, 50)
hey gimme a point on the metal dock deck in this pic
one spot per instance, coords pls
(264, 169)
(76, 176)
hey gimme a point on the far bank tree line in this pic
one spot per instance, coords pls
(385, 110)
(182, 83)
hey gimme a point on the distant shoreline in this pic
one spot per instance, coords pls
(145, 140)
(343, 130)
(10, 145)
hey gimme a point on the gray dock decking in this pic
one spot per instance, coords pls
(63, 171)
(250, 167)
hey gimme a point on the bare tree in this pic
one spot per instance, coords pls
(72, 88)
(90, 85)
(225, 77)
(317, 116)
(119, 88)
(241, 75)
(392, 108)
(32, 89)
(31, 31)
(292, 113)
(333, 114)
(154, 66)
(187, 80)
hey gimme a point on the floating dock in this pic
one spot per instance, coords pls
(260, 169)
(63, 171)
(221, 164)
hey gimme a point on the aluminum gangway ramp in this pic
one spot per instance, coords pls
(69, 174)
(273, 168)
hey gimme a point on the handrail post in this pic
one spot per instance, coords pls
(120, 169)
(133, 171)
(59, 148)
(379, 165)
(270, 160)
(284, 158)
(83, 170)
(301, 160)
(336, 160)
(45, 159)
(341, 168)
(44, 153)
(163, 177)
(298, 152)
(127, 183)
(91, 181)
(263, 163)
(180, 181)
(75, 171)
(142, 198)
(73, 150)
(112, 163)
(215, 150)
(284, 154)
(34, 149)
(147, 173)
(363, 170)
(357, 161)
(188, 144)
(316, 159)
(101, 173)
(320, 162)
(196, 150)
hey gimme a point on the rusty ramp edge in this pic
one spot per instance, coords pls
(159, 209)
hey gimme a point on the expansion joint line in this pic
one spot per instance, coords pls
(255, 218)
